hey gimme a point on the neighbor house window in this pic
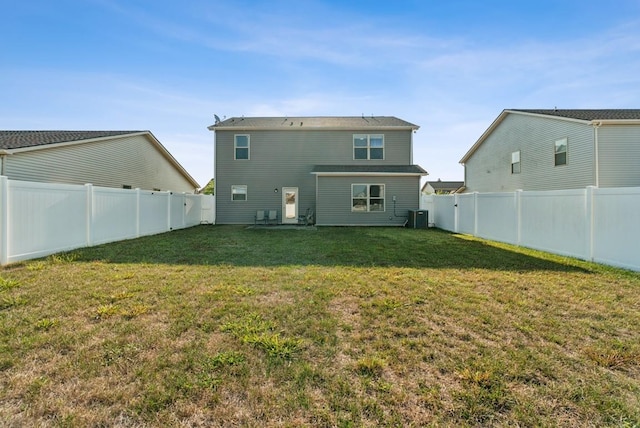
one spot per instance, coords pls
(368, 146)
(239, 192)
(367, 197)
(241, 147)
(515, 162)
(561, 152)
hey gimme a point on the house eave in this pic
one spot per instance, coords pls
(370, 174)
(312, 128)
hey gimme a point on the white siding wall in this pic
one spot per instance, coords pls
(619, 155)
(132, 161)
(489, 168)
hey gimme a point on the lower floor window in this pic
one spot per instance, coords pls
(239, 192)
(367, 197)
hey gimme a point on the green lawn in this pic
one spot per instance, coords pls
(346, 327)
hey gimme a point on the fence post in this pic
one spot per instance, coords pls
(456, 216)
(475, 213)
(169, 211)
(590, 220)
(137, 212)
(4, 220)
(89, 213)
(518, 196)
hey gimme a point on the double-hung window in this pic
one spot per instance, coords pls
(239, 192)
(515, 162)
(560, 152)
(367, 197)
(241, 147)
(368, 147)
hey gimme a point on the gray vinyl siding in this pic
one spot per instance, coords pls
(489, 168)
(619, 155)
(334, 201)
(285, 159)
(132, 161)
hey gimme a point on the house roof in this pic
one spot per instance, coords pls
(368, 170)
(19, 141)
(445, 185)
(586, 116)
(313, 122)
(22, 139)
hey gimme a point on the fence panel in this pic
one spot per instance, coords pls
(601, 225)
(154, 214)
(44, 218)
(193, 209)
(38, 219)
(467, 213)
(177, 206)
(114, 215)
(616, 227)
(495, 217)
(555, 221)
(444, 215)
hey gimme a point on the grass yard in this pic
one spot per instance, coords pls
(345, 327)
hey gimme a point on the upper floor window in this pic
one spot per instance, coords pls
(367, 197)
(515, 162)
(241, 146)
(368, 146)
(561, 152)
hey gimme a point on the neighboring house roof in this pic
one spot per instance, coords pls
(587, 116)
(20, 141)
(444, 186)
(316, 122)
(368, 169)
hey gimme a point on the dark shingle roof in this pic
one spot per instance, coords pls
(368, 169)
(21, 139)
(446, 185)
(586, 114)
(333, 122)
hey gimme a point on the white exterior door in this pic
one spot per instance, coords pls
(289, 205)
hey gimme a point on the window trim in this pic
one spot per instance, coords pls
(564, 140)
(368, 147)
(516, 160)
(368, 198)
(239, 187)
(235, 146)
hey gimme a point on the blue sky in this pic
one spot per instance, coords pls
(450, 67)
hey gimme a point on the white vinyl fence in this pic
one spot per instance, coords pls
(595, 224)
(38, 219)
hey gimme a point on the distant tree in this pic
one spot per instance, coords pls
(209, 189)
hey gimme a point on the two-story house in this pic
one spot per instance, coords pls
(345, 170)
(555, 150)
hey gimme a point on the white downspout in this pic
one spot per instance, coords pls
(596, 126)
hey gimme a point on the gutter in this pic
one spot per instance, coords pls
(3, 155)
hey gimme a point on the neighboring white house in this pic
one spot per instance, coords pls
(121, 159)
(554, 150)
